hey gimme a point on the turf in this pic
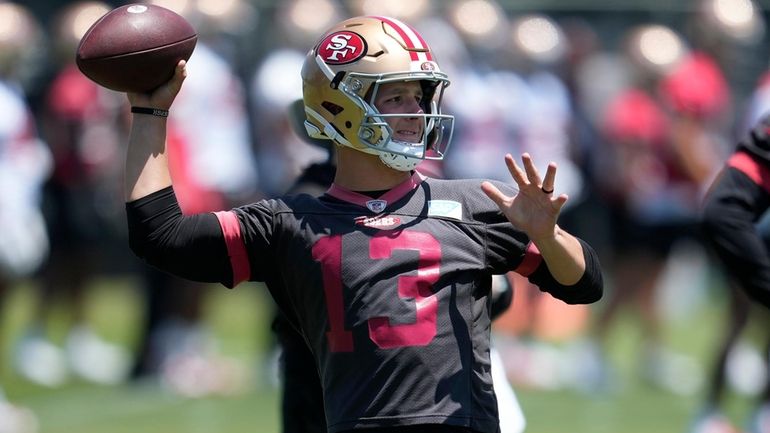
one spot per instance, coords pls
(239, 319)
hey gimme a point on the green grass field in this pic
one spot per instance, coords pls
(239, 319)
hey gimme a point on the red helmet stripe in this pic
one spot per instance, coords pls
(423, 43)
(411, 38)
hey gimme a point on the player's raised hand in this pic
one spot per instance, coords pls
(534, 209)
(163, 96)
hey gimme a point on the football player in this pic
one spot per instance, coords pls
(737, 200)
(302, 395)
(387, 275)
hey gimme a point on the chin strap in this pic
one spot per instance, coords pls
(399, 162)
(328, 133)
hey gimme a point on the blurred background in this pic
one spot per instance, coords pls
(639, 103)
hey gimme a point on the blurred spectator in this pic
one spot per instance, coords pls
(663, 147)
(25, 163)
(82, 123)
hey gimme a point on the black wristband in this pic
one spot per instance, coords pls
(154, 111)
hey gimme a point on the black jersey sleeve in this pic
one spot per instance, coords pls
(730, 213)
(587, 290)
(191, 247)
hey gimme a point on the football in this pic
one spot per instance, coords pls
(135, 48)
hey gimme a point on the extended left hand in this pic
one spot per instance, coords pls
(534, 210)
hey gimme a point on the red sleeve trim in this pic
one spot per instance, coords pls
(756, 171)
(531, 261)
(239, 260)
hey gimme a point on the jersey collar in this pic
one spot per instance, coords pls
(391, 196)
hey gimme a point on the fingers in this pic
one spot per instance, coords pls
(529, 166)
(550, 178)
(180, 73)
(493, 193)
(516, 172)
(163, 96)
(172, 88)
(530, 175)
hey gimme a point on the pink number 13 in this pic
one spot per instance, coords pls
(328, 251)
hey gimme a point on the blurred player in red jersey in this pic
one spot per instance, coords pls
(387, 276)
(732, 214)
(82, 123)
(662, 153)
(737, 201)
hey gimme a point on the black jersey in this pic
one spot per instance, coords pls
(736, 201)
(392, 294)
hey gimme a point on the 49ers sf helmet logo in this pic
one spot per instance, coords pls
(342, 47)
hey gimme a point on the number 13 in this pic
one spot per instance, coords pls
(328, 251)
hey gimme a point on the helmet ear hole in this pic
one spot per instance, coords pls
(348, 124)
(332, 108)
(428, 93)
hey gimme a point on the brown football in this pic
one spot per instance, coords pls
(135, 48)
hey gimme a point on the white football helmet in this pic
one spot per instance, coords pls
(342, 74)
